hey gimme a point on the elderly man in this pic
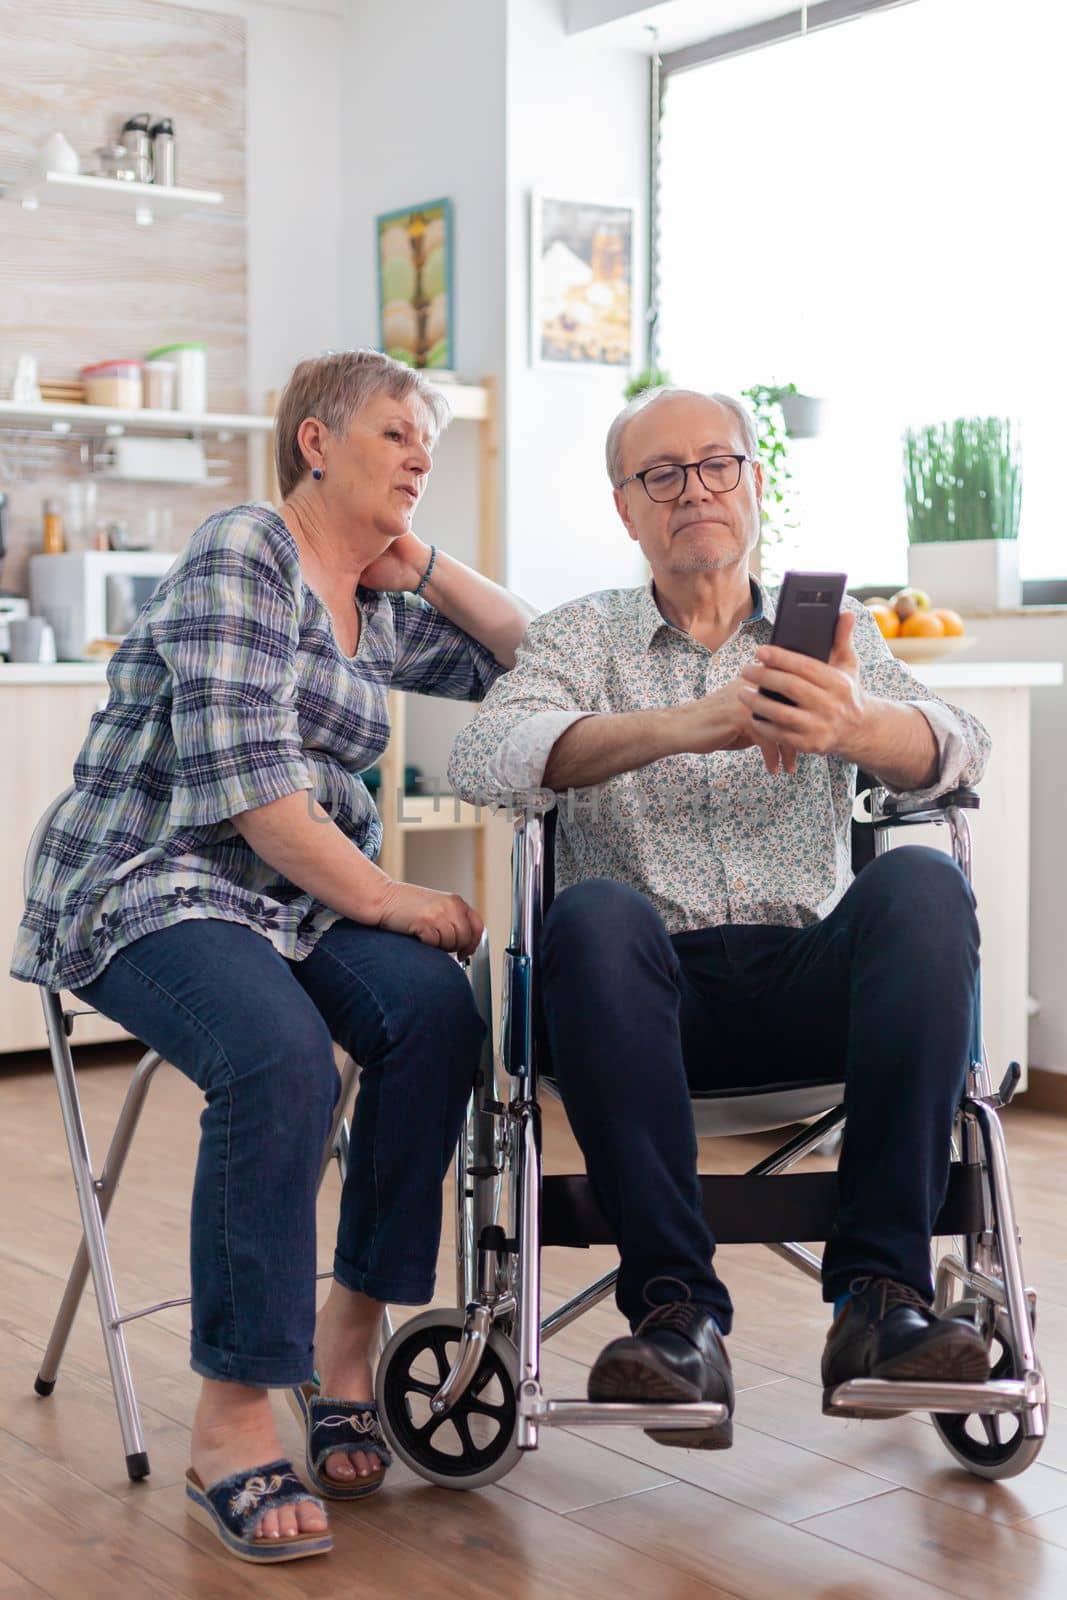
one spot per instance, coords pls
(708, 934)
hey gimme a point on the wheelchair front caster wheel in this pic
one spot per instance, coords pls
(472, 1444)
(991, 1445)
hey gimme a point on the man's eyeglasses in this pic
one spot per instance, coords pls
(719, 474)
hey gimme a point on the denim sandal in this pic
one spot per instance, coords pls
(234, 1507)
(339, 1427)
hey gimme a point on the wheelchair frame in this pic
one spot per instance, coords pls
(507, 1210)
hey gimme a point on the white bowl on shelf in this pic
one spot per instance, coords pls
(915, 651)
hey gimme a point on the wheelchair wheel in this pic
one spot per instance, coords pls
(474, 1443)
(991, 1445)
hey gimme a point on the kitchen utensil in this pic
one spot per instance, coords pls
(52, 541)
(114, 162)
(135, 137)
(164, 152)
(113, 383)
(30, 639)
(25, 390)
(160, 383)
(12, 606)
(191, 362)
(81, 513)
(56, 154)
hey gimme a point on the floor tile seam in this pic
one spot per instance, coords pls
(590, 1505)
(891, 1566)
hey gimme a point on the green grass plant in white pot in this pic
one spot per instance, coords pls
(963, 487)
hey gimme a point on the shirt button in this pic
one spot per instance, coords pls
(739, 883)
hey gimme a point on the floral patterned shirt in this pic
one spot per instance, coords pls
(711, 839)
(229, 691)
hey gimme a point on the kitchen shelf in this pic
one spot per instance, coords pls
(427, 813)
(468, 402)
(47, 414)
(80, 191)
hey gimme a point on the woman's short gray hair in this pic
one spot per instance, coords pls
(613, 447)
(333, 387)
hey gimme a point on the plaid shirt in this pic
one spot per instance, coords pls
(229, 692)
(708, 839)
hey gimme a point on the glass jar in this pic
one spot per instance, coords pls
(52, 541)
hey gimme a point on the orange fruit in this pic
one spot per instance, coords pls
(923, 625)
(887, 620)
(951, 621)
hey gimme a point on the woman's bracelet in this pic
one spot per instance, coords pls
(426, 575)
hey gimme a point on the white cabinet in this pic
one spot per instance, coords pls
(42, 728)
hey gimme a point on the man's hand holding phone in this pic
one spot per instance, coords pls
(828, 703)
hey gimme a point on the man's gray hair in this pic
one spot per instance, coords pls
(647, 397)
(333, 387)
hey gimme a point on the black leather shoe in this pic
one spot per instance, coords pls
(677, 1354)
(887, 1330)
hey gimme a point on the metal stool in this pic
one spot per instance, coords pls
(95, 1195)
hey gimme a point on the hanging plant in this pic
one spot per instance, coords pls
(772, 447)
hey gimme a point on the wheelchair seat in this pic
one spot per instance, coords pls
(719, 1113)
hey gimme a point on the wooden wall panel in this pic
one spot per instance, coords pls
(77, 287)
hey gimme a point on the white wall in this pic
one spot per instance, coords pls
(294, 176)
(577, 119)
(423, 117)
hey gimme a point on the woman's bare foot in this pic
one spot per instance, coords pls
(234, 1431)
(346, 1340)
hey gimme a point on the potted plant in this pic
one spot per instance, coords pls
(963, 487)
(653, 377)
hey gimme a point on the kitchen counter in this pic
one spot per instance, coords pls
(54, 675)
(939, 675)
(943, 675)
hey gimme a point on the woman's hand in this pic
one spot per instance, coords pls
(444, 920)
(399, 567)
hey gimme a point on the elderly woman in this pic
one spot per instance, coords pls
(210, 884)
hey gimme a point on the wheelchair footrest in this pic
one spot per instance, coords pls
(877, 1395)
(599, 1413)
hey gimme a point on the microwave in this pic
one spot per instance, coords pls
(94, 594)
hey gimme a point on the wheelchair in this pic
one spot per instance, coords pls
(460, 1392)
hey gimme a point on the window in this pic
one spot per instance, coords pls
(873, 212)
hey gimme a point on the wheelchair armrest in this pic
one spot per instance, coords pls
(517, 804)
(910, 808)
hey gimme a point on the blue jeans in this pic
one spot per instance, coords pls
(880, 995)
(254, 1032)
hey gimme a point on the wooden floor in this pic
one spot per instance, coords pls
(801, 1506)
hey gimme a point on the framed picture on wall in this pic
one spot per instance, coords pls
(581, 282)
(415, 284)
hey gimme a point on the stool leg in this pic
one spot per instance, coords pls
(95, 1242)
(337, 1141)
(106, 1188)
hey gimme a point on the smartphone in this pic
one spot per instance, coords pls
(809, 604)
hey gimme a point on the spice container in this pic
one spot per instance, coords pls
(113, 383)
(52, 541)
(191, 362)
(159, 385)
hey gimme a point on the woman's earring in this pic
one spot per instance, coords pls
(316, 473)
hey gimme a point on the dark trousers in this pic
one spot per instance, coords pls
(255, 1032)
(879, 995)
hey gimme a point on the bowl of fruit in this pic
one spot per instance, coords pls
(916, 630)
